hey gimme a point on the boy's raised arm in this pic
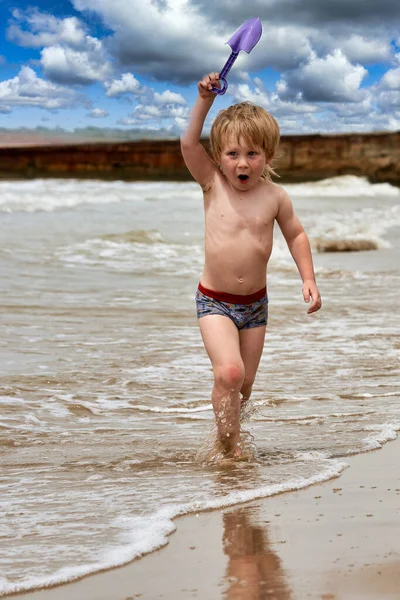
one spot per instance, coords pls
(199, 163)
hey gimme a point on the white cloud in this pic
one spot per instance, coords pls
(27, 89)
(45, 30)
(144, 127)
(329, 79)
(292, 31)
(65, 65)
(317, 51)
(388, 100)
(270, 101)
(391, 79)
(98, 113)
(367, 51)
(243, 93)
(166, 111)
(154, 108)
(69, 55)
(376, 111)
(160, 39)
(147, 112)
(151, 112)
(280, 48)
(126, 85)
(168, 97)
(355, 110)
(174, 51)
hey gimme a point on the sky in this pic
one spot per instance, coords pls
(321, 66)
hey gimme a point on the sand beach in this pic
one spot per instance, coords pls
(333, 541)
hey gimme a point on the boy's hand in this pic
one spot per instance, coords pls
(204, 86)
(310, 291)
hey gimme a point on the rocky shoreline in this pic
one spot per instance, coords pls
(375, 156)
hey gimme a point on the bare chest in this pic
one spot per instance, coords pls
(242, 214)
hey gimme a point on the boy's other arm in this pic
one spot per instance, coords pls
(299, 246)
(199, 163)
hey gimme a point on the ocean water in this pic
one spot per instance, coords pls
(105, 386)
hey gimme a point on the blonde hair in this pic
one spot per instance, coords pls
(251, 122)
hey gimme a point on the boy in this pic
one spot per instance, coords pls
(241, 204)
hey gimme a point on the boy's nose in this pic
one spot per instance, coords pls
(242, 161)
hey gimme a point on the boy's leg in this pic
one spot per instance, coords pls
(251, 347)
(221, 340)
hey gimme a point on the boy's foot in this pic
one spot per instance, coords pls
(238, 452)
(231, 446)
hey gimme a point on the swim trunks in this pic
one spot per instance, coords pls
(245, 311)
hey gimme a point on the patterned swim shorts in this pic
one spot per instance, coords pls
(245, 311)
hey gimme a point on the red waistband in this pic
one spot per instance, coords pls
(233, 298)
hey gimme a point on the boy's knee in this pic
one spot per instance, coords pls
(229, 376)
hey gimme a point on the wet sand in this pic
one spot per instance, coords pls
(333, 541)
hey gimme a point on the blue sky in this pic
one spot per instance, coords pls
(320, 66)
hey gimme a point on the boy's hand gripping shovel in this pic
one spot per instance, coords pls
(245, 38)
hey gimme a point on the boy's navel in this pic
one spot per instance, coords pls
(240, 280)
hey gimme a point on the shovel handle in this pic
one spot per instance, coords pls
(225, 70)
(222, 90)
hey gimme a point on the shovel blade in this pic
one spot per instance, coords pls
(247, 36)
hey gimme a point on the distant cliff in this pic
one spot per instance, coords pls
(299, 158)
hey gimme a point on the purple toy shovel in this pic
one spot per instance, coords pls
(245, 38)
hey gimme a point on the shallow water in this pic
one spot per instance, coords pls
(105, 385)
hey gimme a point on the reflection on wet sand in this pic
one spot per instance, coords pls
(254, 570)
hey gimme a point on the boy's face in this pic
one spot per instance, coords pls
(242, 164)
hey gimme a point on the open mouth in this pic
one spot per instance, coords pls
(243, 177)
